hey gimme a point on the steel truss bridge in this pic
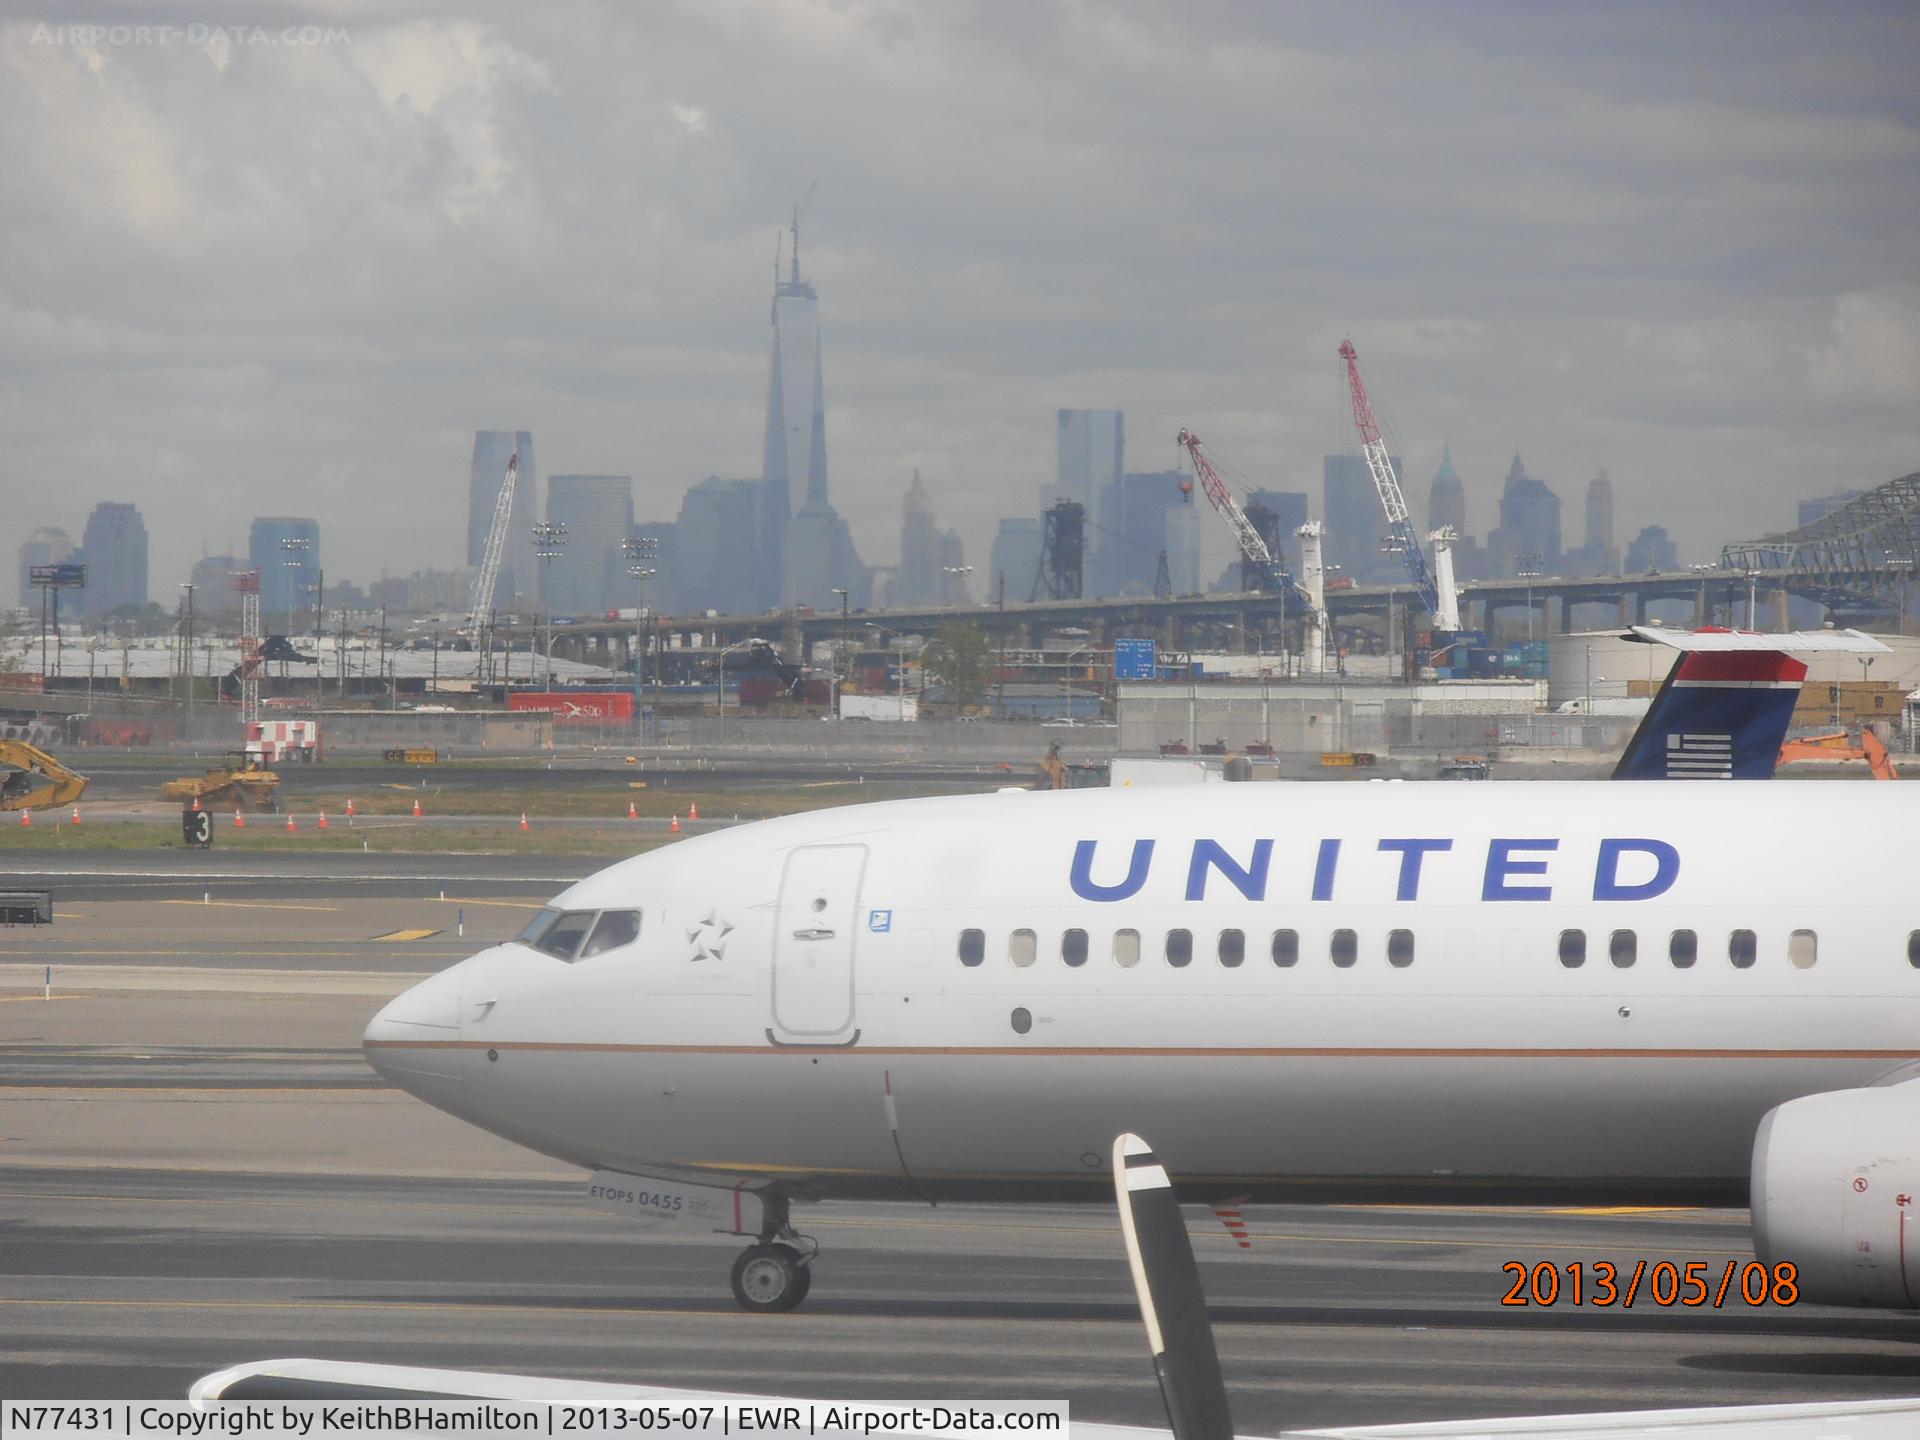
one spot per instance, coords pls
(1857, 557)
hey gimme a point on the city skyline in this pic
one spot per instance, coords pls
(1633, 242)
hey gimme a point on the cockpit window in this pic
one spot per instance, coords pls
(537, 926)
(616, 928)
(563, 936)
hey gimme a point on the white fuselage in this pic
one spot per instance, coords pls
(798, 1008)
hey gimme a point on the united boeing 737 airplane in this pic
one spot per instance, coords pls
(1603, 992)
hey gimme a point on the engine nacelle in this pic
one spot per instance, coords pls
(1836, 1190)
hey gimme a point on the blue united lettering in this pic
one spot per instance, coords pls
(1514, 869)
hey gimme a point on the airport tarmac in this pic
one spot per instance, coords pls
(196, 1168)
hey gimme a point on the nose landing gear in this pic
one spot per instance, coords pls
(771, 1275)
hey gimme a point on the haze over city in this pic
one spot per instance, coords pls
(251, 275)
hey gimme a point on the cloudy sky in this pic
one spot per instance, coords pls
(247, 272)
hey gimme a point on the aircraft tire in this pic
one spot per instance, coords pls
(769, 1279)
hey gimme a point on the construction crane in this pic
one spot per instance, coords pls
(1437, 593)
(480, 609)
(1273, 575)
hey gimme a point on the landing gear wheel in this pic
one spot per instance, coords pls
(768, 1279)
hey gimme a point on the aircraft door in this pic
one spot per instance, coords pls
(813, 941)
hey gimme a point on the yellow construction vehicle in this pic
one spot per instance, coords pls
(246, 785)
(31, 779)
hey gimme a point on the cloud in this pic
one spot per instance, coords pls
(268, 278)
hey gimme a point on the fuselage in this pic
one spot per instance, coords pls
(1379, 990)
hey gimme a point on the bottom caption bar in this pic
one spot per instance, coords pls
(366, 1419)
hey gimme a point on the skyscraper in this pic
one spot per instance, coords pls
(1090, 458)
(212, 581)
(1529, 526)
(1447, 497)
(1597, 556)
(1356, 527)
(1014, 558)
(715, 538)
(114, 549)
(1133, 546)
(491, 451)
(47, 545)
(807, 551)
(917, 581)
(288, 572)
(589, 575)
(1651, 550)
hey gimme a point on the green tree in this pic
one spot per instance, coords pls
(960, 657)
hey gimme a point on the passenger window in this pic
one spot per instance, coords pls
(1286, 948)
(616, 928)
(1803, 949)
(1742, 949)
(537, 926)
(1913, 948)
(973, 946)
(1073, 946)
(1573, 948)
(1179, 948)
(563, 937)
(1683, 948)
(1233, 947)
(1344, 945)
(1126, 948)
(1399, 948)
(1623, 948)
(1022, 947)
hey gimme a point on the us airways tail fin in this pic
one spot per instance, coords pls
(1724, 710)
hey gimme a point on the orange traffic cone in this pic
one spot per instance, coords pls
(26, 818)
(523, 821)
(674, 827)
(416, 809)
(632, 814)
(693, 810)
(196, 804)
(76, 815)
(349, 807)
(239, 819)
(323, 819)
(290, 824)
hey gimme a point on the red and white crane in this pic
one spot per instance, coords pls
(1252, 544)
(1436, 587)
(480, 610)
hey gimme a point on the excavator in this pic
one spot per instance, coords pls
(243, 783)
(31, 779)
(1839, 745)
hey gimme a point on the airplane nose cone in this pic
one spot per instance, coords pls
(415, 1041)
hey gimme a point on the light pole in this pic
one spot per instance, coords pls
(900, 647)
(720, 672)
(549, 543)
(840, 655)
(1527, 568)
(187, 649)
(641, 550)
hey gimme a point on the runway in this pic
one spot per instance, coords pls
(197, 1169)
(175, 872)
